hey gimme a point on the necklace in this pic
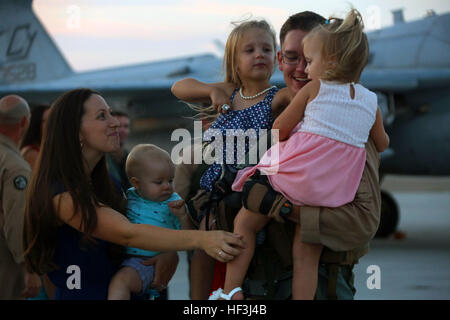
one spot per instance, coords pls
(256, 95)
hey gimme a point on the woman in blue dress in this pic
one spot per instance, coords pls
(74, 224)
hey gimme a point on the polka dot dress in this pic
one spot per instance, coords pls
(259, 116)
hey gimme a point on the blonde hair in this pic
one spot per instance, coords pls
(229, 64)
(142, 154)
(345, 44)
(233, 41)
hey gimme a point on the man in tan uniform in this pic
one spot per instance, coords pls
(14, 176)
(349, 228)
(344, 231)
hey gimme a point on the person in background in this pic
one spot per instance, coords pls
(30, 147)
(116, 160)
(15, 282)
(31, 143)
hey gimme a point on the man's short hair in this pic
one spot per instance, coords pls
(305, 21)
(12, 109)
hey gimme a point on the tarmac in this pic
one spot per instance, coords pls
(412, 264)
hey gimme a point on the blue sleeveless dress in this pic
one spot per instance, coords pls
(257, 117)
(95, 266)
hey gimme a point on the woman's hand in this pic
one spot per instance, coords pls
(165, 266)
(222, 246)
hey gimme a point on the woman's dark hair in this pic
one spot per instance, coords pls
(60, 165)
(34, 133)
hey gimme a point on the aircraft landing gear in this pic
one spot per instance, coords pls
(389, 216)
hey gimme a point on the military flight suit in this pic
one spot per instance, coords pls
(351, 225)
(346, 230)
(14, 176)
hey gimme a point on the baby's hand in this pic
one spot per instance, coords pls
(177, 207)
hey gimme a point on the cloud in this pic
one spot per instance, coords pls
(150, 21)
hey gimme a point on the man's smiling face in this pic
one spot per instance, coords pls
(292, 62)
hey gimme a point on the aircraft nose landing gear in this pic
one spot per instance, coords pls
(389, 216)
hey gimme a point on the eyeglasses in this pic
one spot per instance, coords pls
(291, 59)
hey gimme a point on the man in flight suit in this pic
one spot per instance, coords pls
(349, 228)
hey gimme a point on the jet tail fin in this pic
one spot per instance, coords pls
(27, 53)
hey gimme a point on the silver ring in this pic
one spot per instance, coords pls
(225, 107)
(220, 253)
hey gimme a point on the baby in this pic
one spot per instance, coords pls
(151, 200)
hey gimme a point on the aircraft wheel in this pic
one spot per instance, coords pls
(389, 216)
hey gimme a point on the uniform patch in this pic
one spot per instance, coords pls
(20, 182)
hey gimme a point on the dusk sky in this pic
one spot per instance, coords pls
(98, 34)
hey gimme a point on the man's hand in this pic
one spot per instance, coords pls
(165, 266)
(33, 285)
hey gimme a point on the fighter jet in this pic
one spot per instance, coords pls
(32, 66)
(409, 69)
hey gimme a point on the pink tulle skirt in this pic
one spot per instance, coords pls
(309, 169)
